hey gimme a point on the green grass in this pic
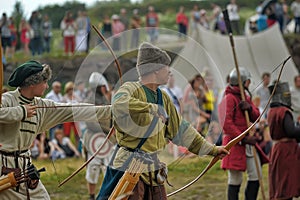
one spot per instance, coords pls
(211, 186)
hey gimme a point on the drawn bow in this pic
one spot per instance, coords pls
(111, 132)
(235, 140)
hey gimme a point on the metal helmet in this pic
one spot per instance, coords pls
(233, 78)
(96, 79)
(282, 94)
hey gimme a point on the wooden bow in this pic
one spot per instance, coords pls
(112, 130)
(235, 140)
(243, 97)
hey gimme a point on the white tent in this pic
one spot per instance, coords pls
(261, 52)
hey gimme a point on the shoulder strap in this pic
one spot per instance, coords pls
(153, 122)
(176, 101)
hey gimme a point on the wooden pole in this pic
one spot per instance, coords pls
(241, 87)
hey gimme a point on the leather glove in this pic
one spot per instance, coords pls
(244, 105)
(250, 140)
(163, 114)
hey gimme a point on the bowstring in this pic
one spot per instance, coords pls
(58, 73)
(209, 131)
(255, 88)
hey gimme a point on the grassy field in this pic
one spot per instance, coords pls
(211, 186)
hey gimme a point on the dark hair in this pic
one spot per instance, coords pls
(265, 74)
(295, 78)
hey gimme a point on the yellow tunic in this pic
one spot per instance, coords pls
(132, 116)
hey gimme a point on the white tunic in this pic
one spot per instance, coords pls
(18, 132)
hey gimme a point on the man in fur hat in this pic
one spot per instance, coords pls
(134, 106)
(22, 119)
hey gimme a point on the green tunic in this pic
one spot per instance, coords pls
(18, 132)
(133, 114)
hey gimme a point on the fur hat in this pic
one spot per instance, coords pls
(151, 58)
(29, 73)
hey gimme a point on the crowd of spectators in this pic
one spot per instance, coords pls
(35, 34)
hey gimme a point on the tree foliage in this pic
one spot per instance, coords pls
(56, 12)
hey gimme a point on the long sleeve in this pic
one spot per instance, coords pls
(12, 114)
(53, 116)
(289, 127)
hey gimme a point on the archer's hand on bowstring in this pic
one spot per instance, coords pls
(30, 110)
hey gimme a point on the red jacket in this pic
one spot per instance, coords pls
(233, 121)
(181, 18)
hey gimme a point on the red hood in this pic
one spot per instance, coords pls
(235, 90)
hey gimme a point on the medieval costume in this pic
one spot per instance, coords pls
(134, 106)
(18, 131)
(284, 173)
(232, 119)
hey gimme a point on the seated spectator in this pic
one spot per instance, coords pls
(62, 146)
(40, 148)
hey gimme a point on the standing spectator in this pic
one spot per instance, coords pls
(68, 27)
(25, 35)
(222, 25)
(135, 27)
(204, 19)
(195, 15)
(263, 92)
(284, 173)
(270, 12)
(97, 96)
(175, 93)
(36, 44)
(295, 8)
(125, 21)
(286, 16)
(47, 33)
(193, 98)
(106, 29)
(55, 95)
(117, 28)
(279, 14)
(234, 17)
(5, 34)
(70, 97)
(14, 37)
(183, 21)
(210, 98)
(88, 31)
(214, 19)
(232, 119)
(295, 93)
(152, 23)
(80, 39)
